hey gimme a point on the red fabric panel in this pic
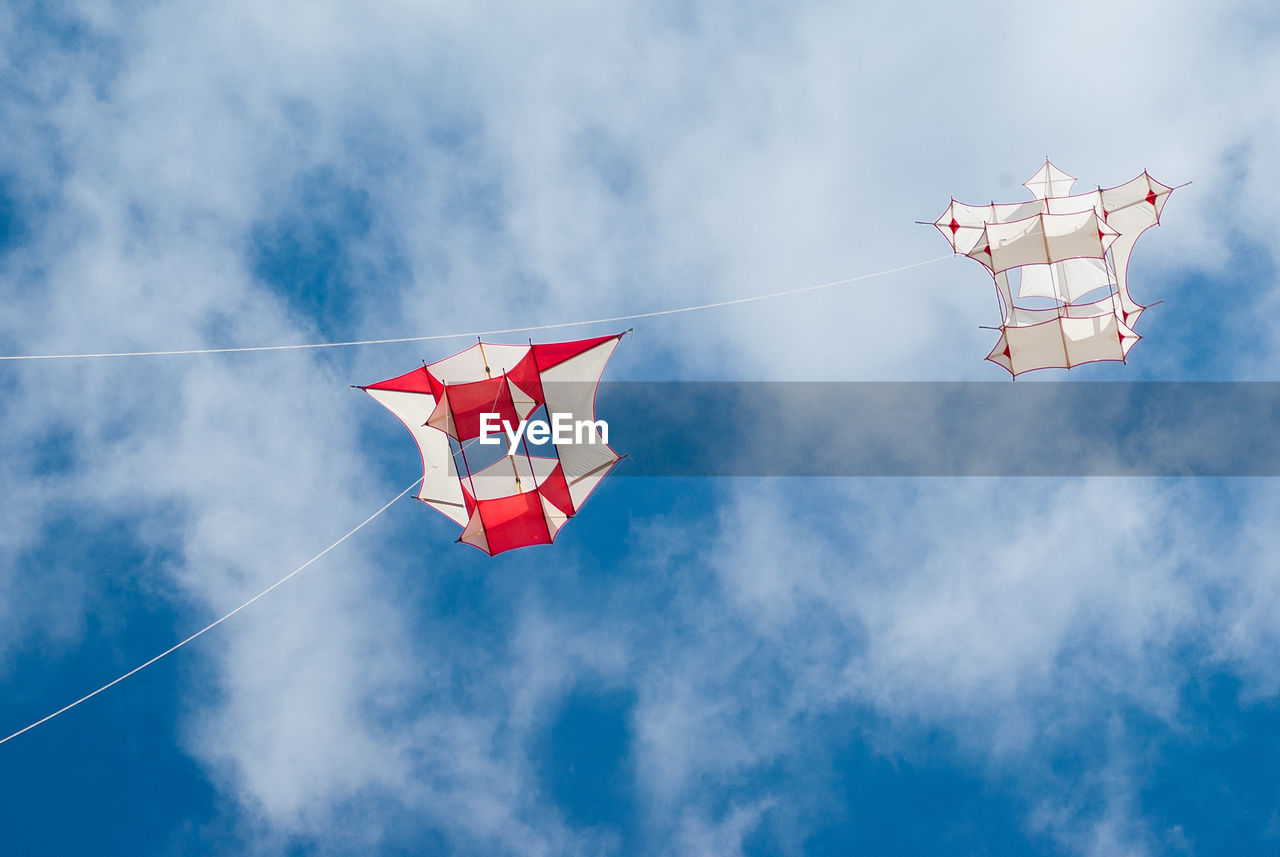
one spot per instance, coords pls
(554, 353)
(468, 401)
(556, 490)
(467, 498)
(525, 376)
(514, 522)
(437, 386)
(416, 381)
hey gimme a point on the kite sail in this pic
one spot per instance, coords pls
(1060, 265)
(520, 499)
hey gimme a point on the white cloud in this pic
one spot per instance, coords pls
(1018, 615)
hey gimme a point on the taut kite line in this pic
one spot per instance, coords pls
(241, 349)
(215, 623)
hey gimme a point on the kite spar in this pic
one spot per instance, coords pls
(1060, 265)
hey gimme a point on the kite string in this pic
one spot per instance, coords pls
(438, 336)
(215, 622)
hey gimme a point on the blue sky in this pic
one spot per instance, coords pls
(698, 666)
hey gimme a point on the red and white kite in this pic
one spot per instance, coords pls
(520, 499)
(1060, 265)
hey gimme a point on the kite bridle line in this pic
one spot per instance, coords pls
(480, 333)
(216, 622)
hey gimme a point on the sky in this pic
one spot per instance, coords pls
(826, 665)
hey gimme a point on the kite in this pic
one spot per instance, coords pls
(488, 392)
(1060, 265)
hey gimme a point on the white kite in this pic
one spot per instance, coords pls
(1059, 263)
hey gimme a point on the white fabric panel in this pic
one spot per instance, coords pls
(1049, 181)
(1068, 280)
(967, 233)
(1105, 305)
(523, 403)
(1120, 252)
(496, 480)
(1009, 245)
(1037, 347)
(964, 239)
(570, 388)
(997, 354)
(1131, 311)
(1127, 337)
(1090, 339)
(581, 487)
(590, 463)
(554, 517)
(1006, 212)
(441, 418)
(504, 357)
(499, 479)
(1127, 207)
(440, 487)
(467, 366)
(1063, 343)
(1075, 203)
(1039, 281)
(473, 533)
(1022, 317)
(1078, 235)
(1043, 239)
(971, 218)
(1004, 295)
